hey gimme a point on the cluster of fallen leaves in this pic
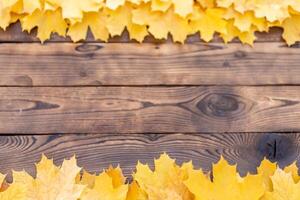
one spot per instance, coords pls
(168, 181)
(180, 18)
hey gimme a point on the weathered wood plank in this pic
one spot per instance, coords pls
(149, 109)
(97, 152)
(66, 64)
(14, 34)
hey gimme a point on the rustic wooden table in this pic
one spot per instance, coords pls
(120, 102)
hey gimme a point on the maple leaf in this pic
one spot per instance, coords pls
(291, 33)
(29, 6)
(293, 169)
(135, 192)
(73, 9)
(114, 4)
(208, 22)
(171, 22)
(51, 182)
(232, 32)
(11, 192)
(226, 184)
(183, 8)
(160, 5)
(207, 3)
(122, 17)
(284, 187)
(93, 20)
(239, 5)
(266, 170)
(273, 10)
(109, 184)
(245, 21)
(5, 12)
(165, 182)
(47, 22)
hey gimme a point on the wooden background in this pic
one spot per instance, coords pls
(120, 102)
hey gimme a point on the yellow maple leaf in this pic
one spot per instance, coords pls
(160, 5)
(73, 9)
(47, 22)
(29, 6)
(226, 184)
(293, 169)
(239, 5)
(51, 182)
(245, 21)
(109, 184)
(96, 21)
(121, 18)
(273, 10)
(232, 32)
(291, 33)
(11, 192)
(284, 187)
(208, 22)
(135, 192)
(183, 8)
(174, 24)
(5, 12)
(165, 182)
(207, 3)
(114, 4)
(267, 169)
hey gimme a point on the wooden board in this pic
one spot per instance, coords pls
(91, 99)
(67, 64)
(209, 109)
(97, 152)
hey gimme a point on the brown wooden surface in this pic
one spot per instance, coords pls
(67, 64)
(92, 99)
(149, 109)
(97, 152)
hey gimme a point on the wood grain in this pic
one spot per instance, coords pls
(14, 34)
(210, 109)
(67, 64)
(97, 152)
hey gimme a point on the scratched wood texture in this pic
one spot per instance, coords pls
(96, 152)
(120, 102)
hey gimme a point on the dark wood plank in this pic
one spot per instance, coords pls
(96, 152)
(67, 64)
(149, 109)
(14, 34)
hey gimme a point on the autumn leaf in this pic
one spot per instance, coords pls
(208, 22)
(47, 22)
(135, 192)
(293, 169)
(5, 12)
(226, 184)
(108, 185)
(93, 20)
(51, 182)
(267, 169)
(291, 33)
(174, 24)
(165, 182)
(73, 9)
(284, 187)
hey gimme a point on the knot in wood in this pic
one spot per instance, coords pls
(276, 147)
(222, 105)
(86, 48)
